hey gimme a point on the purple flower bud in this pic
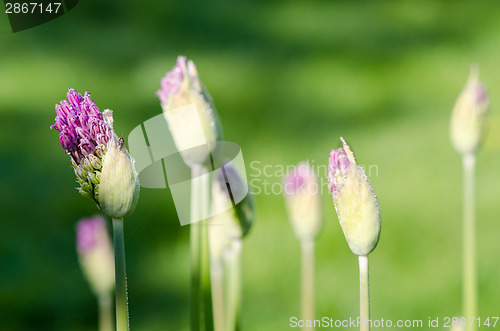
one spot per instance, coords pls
(67, 109)
(295, 181)
(60, 123)
(82, 128)
(301, 192)
(93, 109)
(80, 123)
(66, 141)
(87, 231)
(86, 146)
(74, 98)
(84, 120)
(190, 113)
(73, 121)
(95, 253)
(61, 112)
(84, 134)
(102, 139)
(94, 127)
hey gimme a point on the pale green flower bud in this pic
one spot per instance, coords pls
(469, 115)
(94, 177)
(356, 204)
(81, 174)
(119, 184)
(95, 162)
(235, 222)
(86, 190)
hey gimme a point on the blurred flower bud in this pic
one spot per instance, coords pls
(234, 223)
(301, 191)
(469, 115)
(119, 183)
(96, 254)
(356, 204)
(181, 87)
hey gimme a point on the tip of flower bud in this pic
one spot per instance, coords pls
(469, 114)
(171, 83)
(338, 167)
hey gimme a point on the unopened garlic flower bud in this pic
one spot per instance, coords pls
(228, 186)
(189, 111)
(119, 186)
(301, 191)
(354, 200)
(234, 223)
(469, 115)
(96, 254)
(88, 137)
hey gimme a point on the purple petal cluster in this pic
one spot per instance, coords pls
(81, 126)
(88, 233)
(338, 168)
(170, 84)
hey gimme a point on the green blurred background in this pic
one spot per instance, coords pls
(288, 79)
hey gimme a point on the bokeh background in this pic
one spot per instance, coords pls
(288, 79)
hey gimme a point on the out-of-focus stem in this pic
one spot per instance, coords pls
(469, 281)
(364, 293)
(105, 302)
(195, 276)
(201, 293)
(234, 285)
(122, 323)
(307, 279)
(217, 278)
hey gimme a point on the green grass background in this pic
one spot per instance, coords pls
(288, 79)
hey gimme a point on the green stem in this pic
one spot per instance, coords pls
(195, 276)
(206, 287)
(234, 285)
(364, 293)
(307, 279)
(122, 323)
(105, 302)
(469, 282)
(201, 294)
(217, 278)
